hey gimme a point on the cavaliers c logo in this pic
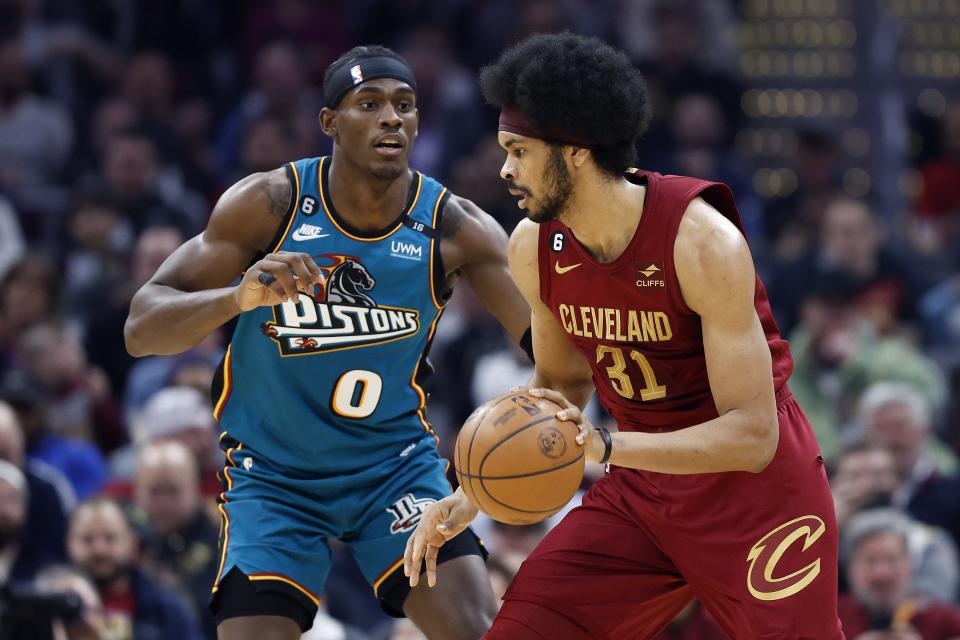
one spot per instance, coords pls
(766, 554)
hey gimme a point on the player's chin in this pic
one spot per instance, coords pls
(389, 168)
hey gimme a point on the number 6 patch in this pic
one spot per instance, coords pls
(308, 205)
(558, 242)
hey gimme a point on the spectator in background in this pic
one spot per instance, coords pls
(792, 220)
(108, 316)
(896, 417)
(837, 355)
(447, 98)
(178, 536)
(268, 143)
(135, 181)
(81, 403)
(882, 605)
(102, 543)
(64, 579)
(936, 224)
(77, 459)
(865, 477)
(12, 245)
(29, 293)
(111, 118)
(100, 238)
(175, 414)
(49, 497)
(36, 137)
(851, 246)
(281, 90)
(14, 566)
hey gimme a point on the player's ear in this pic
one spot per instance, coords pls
(328, 122)
(579, 155)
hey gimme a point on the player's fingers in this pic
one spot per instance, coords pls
(280, 270)
(311, 264)
(408, 555)
(553, 396)
(267, 281)
(570, 413)
(431, 559)
(415, 560)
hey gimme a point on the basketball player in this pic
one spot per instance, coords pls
(642, 286)
(346, 264)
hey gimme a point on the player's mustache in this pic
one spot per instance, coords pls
(513, 185)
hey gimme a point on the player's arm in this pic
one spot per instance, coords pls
(558, 364)
(191, 295)
(474, 246)
(717, 280)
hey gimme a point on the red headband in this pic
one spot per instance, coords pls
(512, 121)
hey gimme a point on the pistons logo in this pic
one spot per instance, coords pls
(769, 576)
(339, 313)
(407, 512)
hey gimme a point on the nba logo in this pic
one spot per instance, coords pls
(356, 74)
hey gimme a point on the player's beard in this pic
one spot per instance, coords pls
(388, 171)
(557, 187)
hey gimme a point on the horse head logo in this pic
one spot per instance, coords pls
(347, 285)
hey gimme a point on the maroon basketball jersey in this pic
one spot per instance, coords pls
(628, 317)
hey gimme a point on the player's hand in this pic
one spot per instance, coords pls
(276, 278)
(589, 436)
(440, 522)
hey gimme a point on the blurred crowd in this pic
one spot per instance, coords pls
(122, 123)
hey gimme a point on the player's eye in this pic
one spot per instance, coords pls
(518, 152)
(367, 105)
(405, 106)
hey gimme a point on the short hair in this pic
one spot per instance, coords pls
(870, 523)
(575, 84)
(884, 393)
(100, 501)
(355, 55)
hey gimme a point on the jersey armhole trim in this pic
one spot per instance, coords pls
(544, 231)
(294, 177)
(440, 292)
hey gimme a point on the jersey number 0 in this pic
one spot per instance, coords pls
(356, 394)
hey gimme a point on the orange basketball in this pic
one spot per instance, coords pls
(516, 461)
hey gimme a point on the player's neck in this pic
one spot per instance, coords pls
(604, 215)
(365, 202)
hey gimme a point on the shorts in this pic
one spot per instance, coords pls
(276, 526)
(758, 550)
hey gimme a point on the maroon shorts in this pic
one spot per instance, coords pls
(758, 550)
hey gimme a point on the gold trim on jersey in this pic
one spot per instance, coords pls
(333, 220)
(293, 214)
(433, 241)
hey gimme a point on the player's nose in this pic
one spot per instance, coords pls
(389, 118)
(508, 170)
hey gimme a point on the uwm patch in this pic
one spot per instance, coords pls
(340, 314)
(407, 512)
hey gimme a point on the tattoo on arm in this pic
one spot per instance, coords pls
(452, 221)
(278, 193)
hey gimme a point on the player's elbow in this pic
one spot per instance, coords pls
(764, 440)
(132, 339)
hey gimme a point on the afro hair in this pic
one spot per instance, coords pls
(576, 84)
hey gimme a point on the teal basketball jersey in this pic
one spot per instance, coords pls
(329, 384)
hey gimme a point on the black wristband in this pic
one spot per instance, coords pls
(607, 445)
(526, 343)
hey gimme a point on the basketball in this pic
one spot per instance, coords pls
(516, 461)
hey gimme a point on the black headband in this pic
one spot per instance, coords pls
(344, 79)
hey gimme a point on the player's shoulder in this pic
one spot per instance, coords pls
(524, 241)
(707, 233)
(253, 208)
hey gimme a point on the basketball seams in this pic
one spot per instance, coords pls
(526, 475)
(473, 435)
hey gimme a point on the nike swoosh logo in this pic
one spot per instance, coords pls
(562, 270)
(308, 236)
